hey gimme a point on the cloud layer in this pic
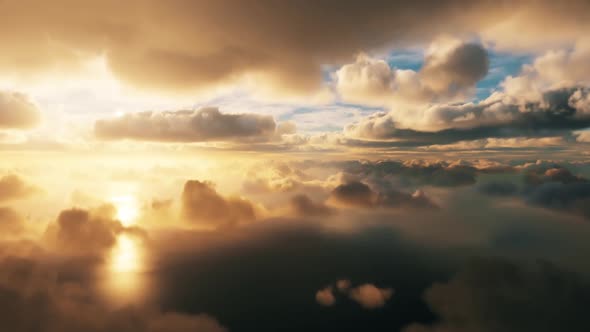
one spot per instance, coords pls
(171, 53)
(206, 124)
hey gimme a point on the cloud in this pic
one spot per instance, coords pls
(498, 295)
(501, 143)
(84, 232)
(205, 124)
(451, 66)
(303, 206)
(354, 194)
(277, 177)
(410, 173)
(451, 69)
(567, 197)
(343, 285)
(17, 111)
(11, 223)
(201, 204)
(583, 137)
(325, 297)
(358, 194)
(546, 185)
(12, 187)
(539, 107)
(171, 51)
(33, 298)
(499, 116)
(498, 188)
(551, 70)
(367, 295)
(536, 175)
(371, 297)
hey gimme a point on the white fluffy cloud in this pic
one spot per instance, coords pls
(451, 69)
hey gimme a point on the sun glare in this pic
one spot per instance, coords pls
(124, 281)
(127, 209)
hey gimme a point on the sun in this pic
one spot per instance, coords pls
(127, 209)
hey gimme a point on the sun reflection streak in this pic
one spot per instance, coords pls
(125, 267)
(125, 255)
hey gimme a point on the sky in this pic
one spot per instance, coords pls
(200, 166)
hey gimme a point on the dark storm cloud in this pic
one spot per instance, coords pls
(554, 114)
(206, 124)
(17, 111)
(201, 204)
(498, 295)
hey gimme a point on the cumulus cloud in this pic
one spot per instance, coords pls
(539, 107)
(302, 206)
(205, 124)
(277, 177)
(498, 295)
(370, 296)
(325, 297)
(81, 232)
(202, 204)
(13, 187)
(17, 111)
(367, 295)
(358, 194)
(546, 185)
(567, 197)
(451, 69)
(499, 116)
(552, 70)
(355, 193)
(386, 173)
